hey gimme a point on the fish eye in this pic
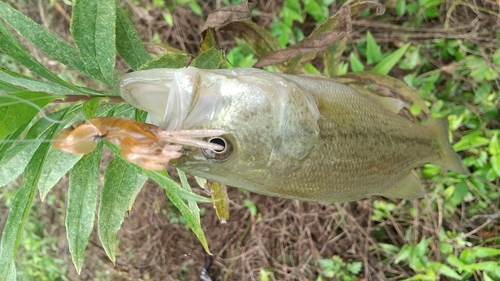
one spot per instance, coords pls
(219, 155)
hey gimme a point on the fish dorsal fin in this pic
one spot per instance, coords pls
(392, 104)
(407, 187)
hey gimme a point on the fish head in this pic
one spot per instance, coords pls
(271, 123)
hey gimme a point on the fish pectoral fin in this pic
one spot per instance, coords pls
(408, 187)
(392, 104)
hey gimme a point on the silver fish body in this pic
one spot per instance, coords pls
(300, 137)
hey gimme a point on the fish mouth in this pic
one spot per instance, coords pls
(165, 93)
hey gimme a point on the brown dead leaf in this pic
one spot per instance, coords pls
(225, 15)
(312, 44)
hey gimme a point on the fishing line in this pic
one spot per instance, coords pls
(40, 110)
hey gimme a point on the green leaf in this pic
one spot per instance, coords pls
(495, 164)
(191, 217)
(471, 140)
(467, 256)
(93, 28)
(167, 60)
(17, 157)
(356, 64)
(42, 38)
(193, 205)
(82, 201)
(8, 141)
(57, 164)
(10, 88)
(448, 271)
(494, 146)
(128, 43)
(35, 84)
(11, 47)
(162, 178)
(90, 107)
(400, 7)
(20, 108)
(484, 252)
(456, 262)
(210, 59)
(21, 206)
(391, 60)
(373, 53)
(388, 248)
(121, 185)
(403, 254)
(485, 265)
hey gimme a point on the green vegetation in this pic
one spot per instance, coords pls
(451, 233)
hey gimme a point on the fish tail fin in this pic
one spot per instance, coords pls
(448, 158)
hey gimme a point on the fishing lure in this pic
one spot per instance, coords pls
(142, 144)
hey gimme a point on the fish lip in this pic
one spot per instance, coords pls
(165, 93)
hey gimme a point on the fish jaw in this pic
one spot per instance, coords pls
(165, 93)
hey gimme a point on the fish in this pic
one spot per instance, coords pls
(302, 137)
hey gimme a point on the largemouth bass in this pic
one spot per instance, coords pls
(294, 136)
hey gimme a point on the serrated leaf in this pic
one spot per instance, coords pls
(210, 59)
(9, 141)
(57, 164)
(10, 88)
(41, 38)
(82, 201)
(20, 108)
(391, 60)
(128, 43)
(373, 53)
(193, 205)
(93, 29)
(35, 84)
(90, 107)
(21, 206)
(121, 185)
(11, 47)
(192, 220)
(162, 178)
(17, 157)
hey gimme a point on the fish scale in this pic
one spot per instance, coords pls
(295, 136)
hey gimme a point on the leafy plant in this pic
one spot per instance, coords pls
(339, 269)
(100, 31)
